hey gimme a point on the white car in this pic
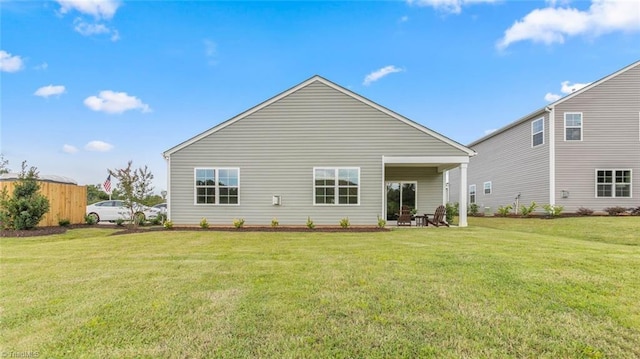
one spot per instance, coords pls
(162, 207)
(114, 210)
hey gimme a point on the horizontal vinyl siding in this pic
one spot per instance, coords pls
(611, 140)
(277, 147)
(511, 165)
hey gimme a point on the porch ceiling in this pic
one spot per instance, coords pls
(443, 163)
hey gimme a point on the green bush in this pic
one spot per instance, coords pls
(158, 220)
(615, 211)
(204, 223)
(527, 210)
(553, 211)
(25, 207)
(274, 223)
(168, 224)
(344, 223)
(310, 223)
(238, 223)
(89, 219)
(504, 211)
(381, 222)
(64, 222)
(473, 209)
(451, 210)
(119, 222)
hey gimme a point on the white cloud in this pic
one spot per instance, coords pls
(46, 91)
(447, 6)
(88, 29)
(115, 102)
(378, 74)
(567, 88)
(98, 146)
(553, 24)
(551, 97)
(99, 9)
(404, 18)
(69, 149)
(9, 63)
(42, 66)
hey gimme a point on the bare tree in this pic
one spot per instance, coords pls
(134, 185)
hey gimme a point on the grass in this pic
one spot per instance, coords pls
(500, 288)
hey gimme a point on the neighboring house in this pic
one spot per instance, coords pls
(316, 150)
(580, 151)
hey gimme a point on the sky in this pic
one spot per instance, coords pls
(87, 85)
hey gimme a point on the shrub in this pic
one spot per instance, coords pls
(527, 210)
(381, 222)
(451, 210)
(238, 223)
(64, 222)
(25, 207)
(553, 211)
(274, 223)
(89, 219)
(203, 223)
(120, 222)
(504, 211)
(168, 224)
(310, 223)
(582, 211)
(159, 219)
(635, 211)
(139, 219)
(615, 211)
(473, 209)
(344, 223)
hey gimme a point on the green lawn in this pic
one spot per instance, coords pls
(533, 288)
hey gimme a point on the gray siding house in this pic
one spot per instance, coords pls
(580, 151)
(316, 150)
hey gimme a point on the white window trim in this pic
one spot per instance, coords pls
(475, 194)
(535, 133)
(564, 133)
(613, 184)
(336, 169)
(484, 188)
(217, 188)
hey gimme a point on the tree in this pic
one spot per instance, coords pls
(134, 186)
(95, 194)
(26, 207)
(3, 165)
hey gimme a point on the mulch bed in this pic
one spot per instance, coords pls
(45, 231)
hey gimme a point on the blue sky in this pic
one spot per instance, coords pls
(89, 85)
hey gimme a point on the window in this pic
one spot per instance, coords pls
(336, 186)
(573, 126)
(217, 185)
(487, 187)
(472, 194)
(613, 183)
(537, 132)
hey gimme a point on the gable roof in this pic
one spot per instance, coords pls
(334, 86)
(550, 106)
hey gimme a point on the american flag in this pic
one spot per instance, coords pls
(107, 185)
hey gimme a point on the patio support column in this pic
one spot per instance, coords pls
(462, 215)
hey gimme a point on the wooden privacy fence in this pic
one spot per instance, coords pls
(66, 201)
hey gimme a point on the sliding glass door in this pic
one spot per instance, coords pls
(400, 194)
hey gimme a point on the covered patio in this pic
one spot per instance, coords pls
(419, 182)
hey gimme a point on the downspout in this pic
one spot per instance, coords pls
(552, 154)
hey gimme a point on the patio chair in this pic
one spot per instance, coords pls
(404, 218)
(438, 218)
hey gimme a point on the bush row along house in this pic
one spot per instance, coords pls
(581, 151)
(314, 151)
